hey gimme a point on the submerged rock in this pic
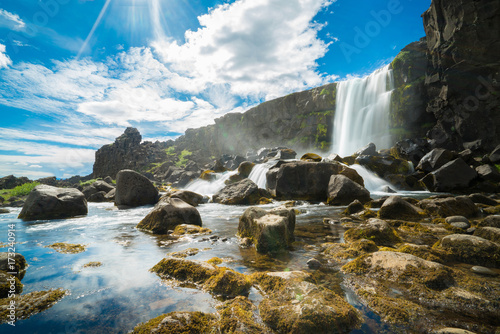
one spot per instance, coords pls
(169, 213)
(342, 191)
(271, 231)
(47, 202)
(134, 189)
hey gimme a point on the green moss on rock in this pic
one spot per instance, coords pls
(179, 322)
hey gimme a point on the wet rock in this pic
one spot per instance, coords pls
(369, 149)
(189, 197)
(488, 173)
(495, 155)
(450, 206)
(134, 189)
(246, 242)
(111, 195)
(18, 266)
(489, 233)
(270, 231)
(286, 153)
(4, 210)
(397, 208)
(185, 253)
(483, 271)
(492, 221)
(295, 306)
(178, 322)
(67, 248)
(311, 157)
(184, 229)
(169, 213)
(47, 202)
(238, 315)
(383, 165)
(343, 252)
(458, 222)
(401, 268)
(435, 159)
(450, 330)
(313, 264)
(30, 303)
(411, 149)
(9, 285)
(245, 168)
(471, 249)
(454, 175)
(377, 230)
(354, 207)
(98, 197)
(342, 191)
(243, 192)
(482, 199)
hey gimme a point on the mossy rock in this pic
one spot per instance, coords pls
(238, 316)
(184, 270)
(376, 230)
(184, 229)
(67, 248)
(471, 249)
(6, 282)
(208, 175)
(489, 233)
(19, 264)
(179, 322)
(311, 157)
(185, 253)
(30, 303)
(228, 284)
(93, 264)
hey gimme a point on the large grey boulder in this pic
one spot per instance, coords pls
(453, 175)
(47, 202)
(397, 208)
(434, 159)
(167, 214)
(134, 189)
(270, 231)
(242, 192)
(342, 191)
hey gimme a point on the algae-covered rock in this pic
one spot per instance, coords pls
(450, 206)
(311, 157)
(489, 233)
(179, 322)
(471, 249)
(169, 213)
(185, 253)
(67, 248)
(492, 221)
(187, 229)
(271, 231)
(295, 306)
(397, 208)
(9, 285)
(354, 207)
(342, 252)
(238, 316)
(228, 284)
(30, 304)
(16, 264)
(376, 230)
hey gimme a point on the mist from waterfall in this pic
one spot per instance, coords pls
(362, 112)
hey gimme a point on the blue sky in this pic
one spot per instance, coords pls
(75, 73)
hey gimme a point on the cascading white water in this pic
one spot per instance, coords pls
(258, 173)
(362, 114)
(209, 188)
(373, 183)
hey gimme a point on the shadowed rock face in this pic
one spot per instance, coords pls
(133, 189)
(47, 202)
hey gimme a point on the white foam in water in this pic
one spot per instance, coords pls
(209, 188)
(373, 183)
(362, 114)
(258, 174)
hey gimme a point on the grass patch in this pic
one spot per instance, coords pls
(182, 158)
(88, 183)
(21, 190)
(170, 151)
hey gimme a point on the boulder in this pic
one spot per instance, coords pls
(98, 197)
(242, 192)
(19, 264)
(492, 221)
(397, 208)
(167, 214)
(354, 207)
(453, 175)
(488, 173)
(376, 230)
(495, 155)
(286, 153)
(471, 249)
(482, 199)
(383, 165)
(7, 282)
(342, 191)
(111, 195)
(311, 157)
(47, 202)
(450, 206)
(435, 159)
(489, 233)
(189, 197)
(102, 186)
(411, 149)
(134, 189)
(369, 149)
(458, 222)
(271, 231)
(245, 168)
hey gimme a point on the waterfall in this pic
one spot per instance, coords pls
(258, 173)
(373, 183)
(362, 112)
(209, 188)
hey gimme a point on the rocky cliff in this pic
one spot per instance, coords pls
(463, 45)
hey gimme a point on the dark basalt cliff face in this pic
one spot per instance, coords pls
(300, 121)
(463, 42)
(127, 152)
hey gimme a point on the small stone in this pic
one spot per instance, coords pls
(460, 225)
(458, 222)
(223, 239)
(313, 264)
(213, 237)
(483, 271)
(471, 230)
(330, 221)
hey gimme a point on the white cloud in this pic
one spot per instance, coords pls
(262, 48)
(4, 59)
(10, 20)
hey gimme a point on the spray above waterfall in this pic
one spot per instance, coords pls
(362, 112)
